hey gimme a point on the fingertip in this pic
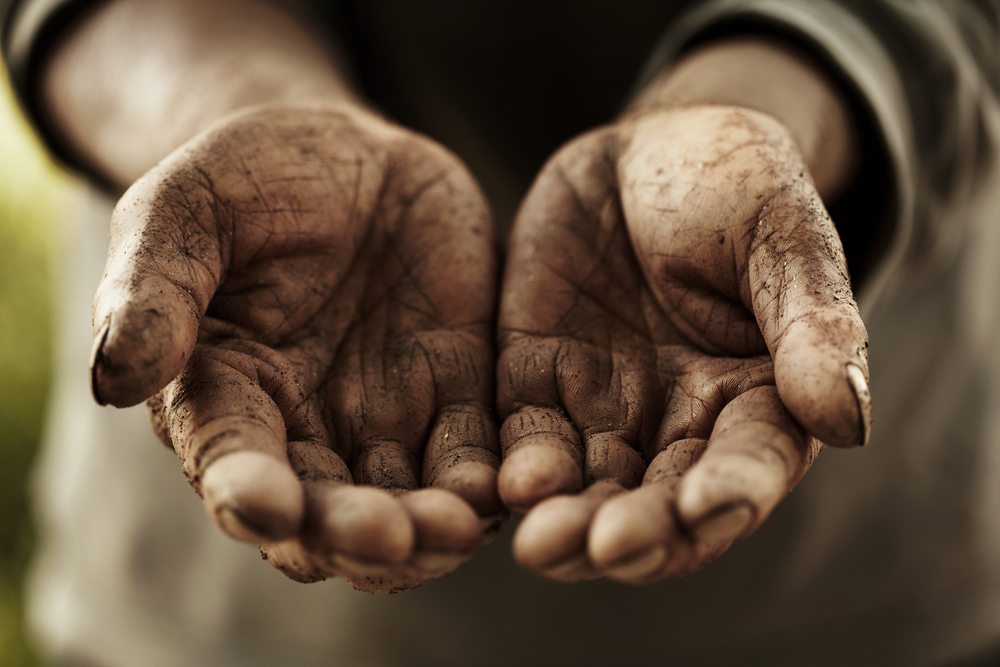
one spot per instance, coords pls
(723, 524)
(642, 567)
(143, 342)
(553, 531)
(436, 563)
(535, 472)
(476, 483)
(572, 570)
(443, 521)
(824, 388)
(253, 497)
(291, 559)
(368, 524)
(628, 527)
(720, 500)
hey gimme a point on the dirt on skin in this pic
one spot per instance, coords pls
(306, 295)
(671, 281)
(314, 286)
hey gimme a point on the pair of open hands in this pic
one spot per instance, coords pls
(306, 297)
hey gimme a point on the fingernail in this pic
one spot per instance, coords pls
(240, 527)
(641, 565)
(863, 398)
(438, 562)
(97, 360)
(577, 568)
(354, 566)
(724, 523)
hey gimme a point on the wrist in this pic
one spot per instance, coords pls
(220, 90)
(134, 79)
(772, 78)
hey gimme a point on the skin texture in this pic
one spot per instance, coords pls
(677, 328)
(666, 377)
(304, 291)
(306, 296)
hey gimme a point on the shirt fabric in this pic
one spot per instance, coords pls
(887, 555)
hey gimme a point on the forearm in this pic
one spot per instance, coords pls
(136, 78)
(773, 78)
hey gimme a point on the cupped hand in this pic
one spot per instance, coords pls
(678, 335)
(306, 297)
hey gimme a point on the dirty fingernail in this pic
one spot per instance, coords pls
(97, 361)
(641, 565)
(577, 568)
(862, 395)
(437, 562)
(724, 523)
(235, 523)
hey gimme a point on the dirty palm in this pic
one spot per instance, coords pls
(677, 333)
(306, 296)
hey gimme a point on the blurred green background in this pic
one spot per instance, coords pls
(32, 199)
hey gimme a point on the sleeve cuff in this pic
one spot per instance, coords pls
(29, 28)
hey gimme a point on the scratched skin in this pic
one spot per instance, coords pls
(677, 335)
(306, 296)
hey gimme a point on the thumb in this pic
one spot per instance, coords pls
(164, 263)
(802, 299)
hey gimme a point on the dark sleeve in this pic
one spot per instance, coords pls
(924, 79)
(28, 25)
